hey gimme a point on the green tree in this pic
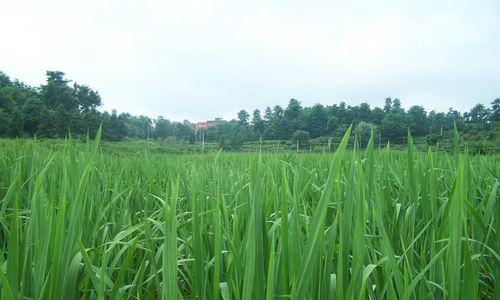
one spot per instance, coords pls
(139, 127)
(362, 113)
(268, 114)
(34, 114)
(341, 113)
(163, 128)
(332, 124)
(388, 105)
(5, 123)
(318, 121)
(274, 124)
(396, 105)
(377, 115)
(237, 138)
(243, 117)
(417, 120)
(90, 122)
(13, 95)
(394, 127)
(7, 106)
(113, 126)
(454, 117)
(291, 119)
(231, 135)
(363, 132)
(4, 80)
(257, 123)
(479, 114)
(184, 131)
(437, 122)
(495, 111)
(301, 137)
(86, 98)
(60, 98)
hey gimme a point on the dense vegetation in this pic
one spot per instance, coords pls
(56, 108)
(78, 223)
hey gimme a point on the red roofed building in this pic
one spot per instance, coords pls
(201, 126)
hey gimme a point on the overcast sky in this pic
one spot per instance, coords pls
(198, 60)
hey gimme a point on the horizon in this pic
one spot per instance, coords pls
(233, 116)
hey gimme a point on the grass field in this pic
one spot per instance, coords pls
(78, 222)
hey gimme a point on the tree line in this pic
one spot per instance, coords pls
(391, 123)
(59, 107)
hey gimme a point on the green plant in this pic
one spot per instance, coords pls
(78, 222)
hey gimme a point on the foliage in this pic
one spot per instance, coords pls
(79, 222)
(163, 128)
(363, 132)
(301, 137)
(258, 124)
(58, 108)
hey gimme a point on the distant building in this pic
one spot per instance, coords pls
(200, 126)
(214, 122)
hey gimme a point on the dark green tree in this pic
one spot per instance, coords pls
(301, 138)
(243, 117)
(86, 98)
(318, 121)
(495, 111)
(363, 132)
(479, 115)
(388, 105)
(437, 122)
(396, 105)
(7, 106)
(394, 127)
(291, 121)
(184, 131)
(268, 114)
(377, 115)
(362, 113)
(36, 116)
(113, 126)
(417, 120)
(163, 128)
(61, 100)
(258, 124)
(454, 116)
(138, 127)
(274, 124)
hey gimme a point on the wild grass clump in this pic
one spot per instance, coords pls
(79, 223)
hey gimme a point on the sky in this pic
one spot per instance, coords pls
(198, 60)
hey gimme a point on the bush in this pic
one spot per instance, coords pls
(301, 138)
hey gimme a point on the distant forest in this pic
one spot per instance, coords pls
(60, 107)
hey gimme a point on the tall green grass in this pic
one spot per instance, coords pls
(79, 223)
